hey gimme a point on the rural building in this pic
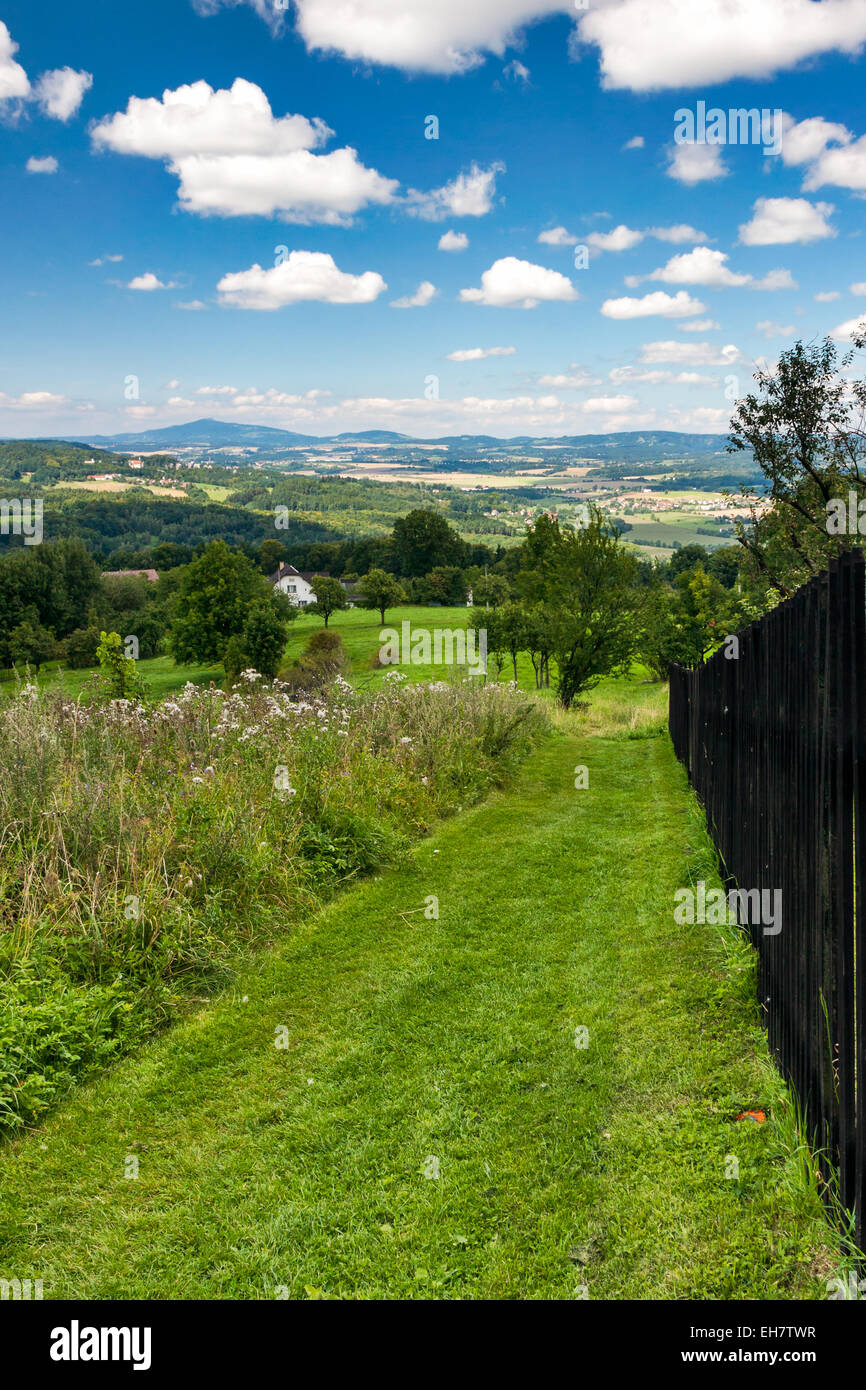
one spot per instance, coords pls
(296, 586)
(131, 574)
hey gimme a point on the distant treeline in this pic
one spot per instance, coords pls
(135, 522)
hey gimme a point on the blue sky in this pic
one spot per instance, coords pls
(258, 258)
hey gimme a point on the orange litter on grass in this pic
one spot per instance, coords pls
(757, 1115)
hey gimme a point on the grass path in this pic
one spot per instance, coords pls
(305, 1169)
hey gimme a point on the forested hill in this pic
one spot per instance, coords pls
(50, 459)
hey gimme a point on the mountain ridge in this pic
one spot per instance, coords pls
(212, 433)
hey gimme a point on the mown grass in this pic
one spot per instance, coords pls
(145, 848)
(307, 1170)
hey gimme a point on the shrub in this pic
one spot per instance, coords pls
(320, 662)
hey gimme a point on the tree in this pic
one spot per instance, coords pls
(235, 658)
(446, 584)
(687, 557)
(587, 579)
(687, 623)
(540, 627)
(29, 643)
(264, 639)
(510, 625)
(724, 565)
(119, 674)
(421, 540)
(212, 603)
(381, 591)
(490, 589)
(804, 428)
(271, 555)
(81, 647)
(490, 621)
(330, 595)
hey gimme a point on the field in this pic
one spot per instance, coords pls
(111, 485)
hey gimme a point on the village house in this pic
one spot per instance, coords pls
(296, 586)
(299, 585)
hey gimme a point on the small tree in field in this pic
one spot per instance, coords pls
(119, 673)
(509, 622)
(587, 583)
(264, 639)
(214, 596)
(330, 596)
(381, 591)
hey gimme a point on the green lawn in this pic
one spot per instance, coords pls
(448, 1046)
(358, 628)
(160, 672)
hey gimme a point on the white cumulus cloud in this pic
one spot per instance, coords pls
(652, 44)
(234, 158)
(785, 221)
(621, 238)
(475, 354)
(845, 331)
(678, 306)
(48, 165)
(512, 283)
(149, 281)
(556, 236)
(768, 328)
(468, 195)
(304, 275)
(61, 92)
(453, 241)
(14, 81)
(419, 300)
(689, 354)
(448, 36)
(691, 164)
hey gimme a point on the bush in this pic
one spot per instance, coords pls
(320, 662)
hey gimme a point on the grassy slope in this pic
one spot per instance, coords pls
(359, 630)
(559, 1167)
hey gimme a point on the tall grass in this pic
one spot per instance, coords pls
(144, 848)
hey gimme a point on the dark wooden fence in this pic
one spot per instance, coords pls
(774, 742)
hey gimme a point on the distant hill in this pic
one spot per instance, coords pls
(644, 445)
(50, 459)
(214, 434)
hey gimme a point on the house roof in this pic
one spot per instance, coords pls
(286, 571)
(152, 575)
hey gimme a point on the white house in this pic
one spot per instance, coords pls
(296, 586)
